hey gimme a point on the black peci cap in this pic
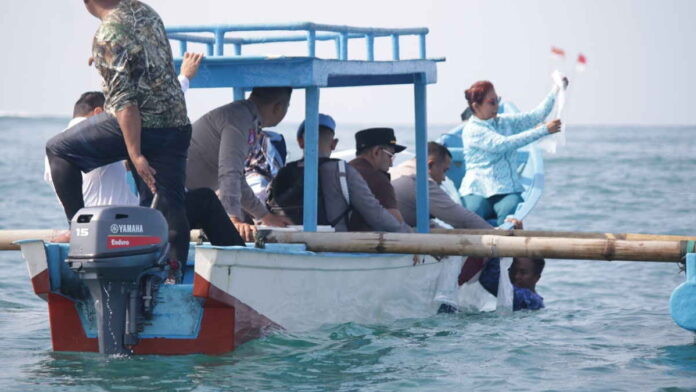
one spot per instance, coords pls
(376, 137)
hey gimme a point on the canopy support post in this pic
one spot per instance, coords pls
(422, 201)
(311, 158)
(238, 93)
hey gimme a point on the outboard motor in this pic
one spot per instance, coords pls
(113, 249)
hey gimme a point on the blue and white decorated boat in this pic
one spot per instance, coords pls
(232, 294)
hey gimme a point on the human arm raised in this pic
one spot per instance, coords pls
(519, 122)
(487, 139)
(189, 67)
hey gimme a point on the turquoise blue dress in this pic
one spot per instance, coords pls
(490, 149)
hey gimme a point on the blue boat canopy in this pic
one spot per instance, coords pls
(242, 73)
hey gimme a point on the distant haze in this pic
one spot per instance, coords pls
(641, 57)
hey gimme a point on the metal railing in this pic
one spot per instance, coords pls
(214, 37)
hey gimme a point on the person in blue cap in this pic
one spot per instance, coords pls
(342, 190)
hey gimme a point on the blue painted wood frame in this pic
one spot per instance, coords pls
(311, 158)
(245, 72)
(422, 202)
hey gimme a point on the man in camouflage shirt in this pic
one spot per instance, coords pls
(145, 120)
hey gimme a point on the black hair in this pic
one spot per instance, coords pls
(87, 102)
(539, 264)
(270, 95)
(438, 151)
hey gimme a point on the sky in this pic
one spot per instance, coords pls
(641, 58)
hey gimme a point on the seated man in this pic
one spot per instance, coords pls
(441, 205)
(220, 144)
(375, 149)
(107, 185)
(342, 189)
(524, 274)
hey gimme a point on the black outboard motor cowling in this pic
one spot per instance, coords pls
(112, 249)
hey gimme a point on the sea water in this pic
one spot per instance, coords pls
(606, 325)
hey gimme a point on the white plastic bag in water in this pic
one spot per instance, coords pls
(505, 290)
(551, 143)
(448, 281)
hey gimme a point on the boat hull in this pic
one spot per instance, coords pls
(231, 295)
(290, 288)
(181, 323)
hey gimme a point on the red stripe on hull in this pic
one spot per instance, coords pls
(67, 333)
(216, 334)
(41, 283)
(249, 323)
(216, 337)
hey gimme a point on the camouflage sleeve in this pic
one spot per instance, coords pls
(118, 58)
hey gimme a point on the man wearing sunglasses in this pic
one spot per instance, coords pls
(375, 149)
(342, 190)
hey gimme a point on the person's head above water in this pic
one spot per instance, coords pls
(483, 100)
(89, 104)
(525, 272)
(272, 103)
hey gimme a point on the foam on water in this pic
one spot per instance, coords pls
(606, 325)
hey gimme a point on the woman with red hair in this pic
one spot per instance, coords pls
(491, 186)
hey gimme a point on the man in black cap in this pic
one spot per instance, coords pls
(375, 149)
(342, 190)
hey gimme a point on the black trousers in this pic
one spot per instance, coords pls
(98, 141)
(205, 211)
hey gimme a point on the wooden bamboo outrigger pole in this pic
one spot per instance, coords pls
(512, 243)
(483, 245)
(568, 234)
(8, 237)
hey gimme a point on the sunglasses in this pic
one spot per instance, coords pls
(494, 102)
(389, 153)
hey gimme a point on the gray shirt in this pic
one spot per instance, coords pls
(220, 143)
(361, 199)
(441, 205)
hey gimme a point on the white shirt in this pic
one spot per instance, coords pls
(106, 185)
(102, 186)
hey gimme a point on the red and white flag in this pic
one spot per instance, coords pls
(557, 53)
(582, 63)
